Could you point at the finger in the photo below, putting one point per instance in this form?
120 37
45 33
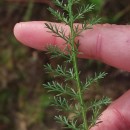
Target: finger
117 116
36 35
107 43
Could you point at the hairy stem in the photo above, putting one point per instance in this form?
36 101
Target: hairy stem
72 73
75 64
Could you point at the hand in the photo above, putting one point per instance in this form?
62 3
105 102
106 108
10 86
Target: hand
107 43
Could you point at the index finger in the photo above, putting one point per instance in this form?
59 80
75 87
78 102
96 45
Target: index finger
107 43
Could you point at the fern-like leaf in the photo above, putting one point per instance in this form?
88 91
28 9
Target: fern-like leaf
91 80
69 124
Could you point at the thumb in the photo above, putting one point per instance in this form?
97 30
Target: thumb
117 115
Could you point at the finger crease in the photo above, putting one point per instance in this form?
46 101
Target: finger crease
98 47
54 40
122 118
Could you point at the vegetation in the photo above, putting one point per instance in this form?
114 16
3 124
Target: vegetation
21 77
75 103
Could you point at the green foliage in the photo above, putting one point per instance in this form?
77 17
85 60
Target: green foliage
69 124
69 98
97 2
28 13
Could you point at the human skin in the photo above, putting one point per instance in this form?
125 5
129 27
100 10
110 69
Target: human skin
108 43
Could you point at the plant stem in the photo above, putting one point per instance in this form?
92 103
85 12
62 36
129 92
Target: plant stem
72 73
75 64
78 83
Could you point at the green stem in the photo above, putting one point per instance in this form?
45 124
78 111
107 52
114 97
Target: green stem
75 64
78 84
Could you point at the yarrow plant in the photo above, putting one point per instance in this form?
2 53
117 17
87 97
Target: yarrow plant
71 99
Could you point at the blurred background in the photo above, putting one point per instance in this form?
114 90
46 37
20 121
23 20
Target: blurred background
24 104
